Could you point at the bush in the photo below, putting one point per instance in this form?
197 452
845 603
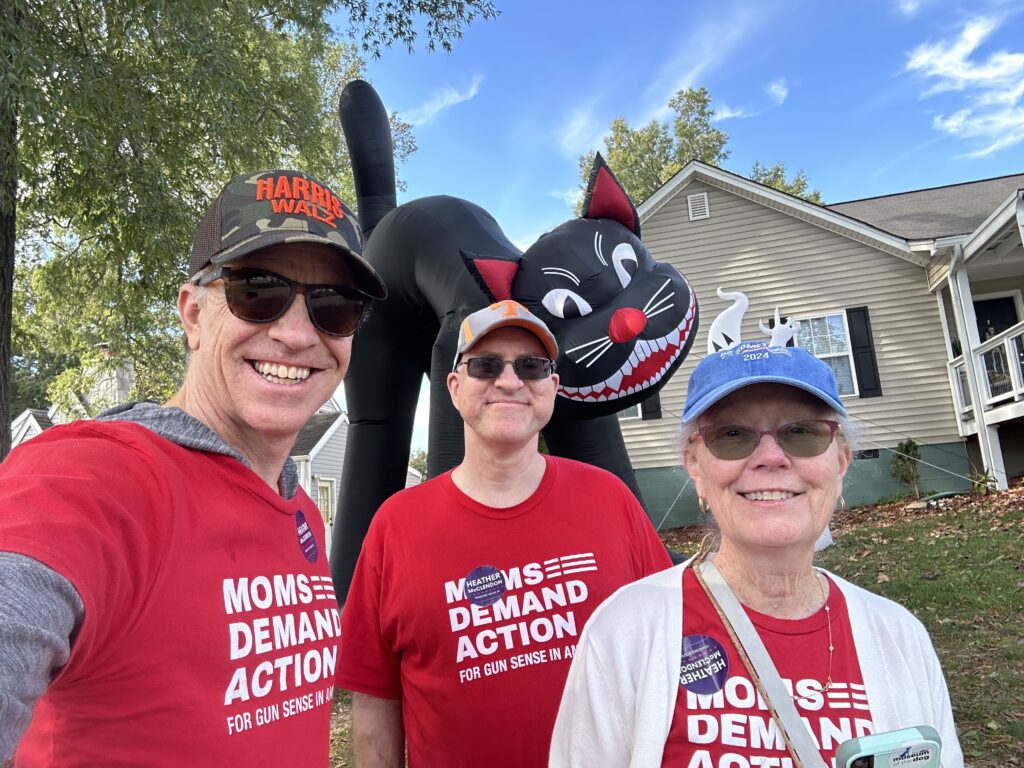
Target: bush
982 482
904 465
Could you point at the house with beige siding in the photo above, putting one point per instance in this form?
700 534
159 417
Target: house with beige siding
914 300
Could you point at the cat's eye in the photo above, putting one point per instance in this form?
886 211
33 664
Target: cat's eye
563 303
625 263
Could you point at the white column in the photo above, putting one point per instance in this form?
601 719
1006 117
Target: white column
967 326
1020 213
954 383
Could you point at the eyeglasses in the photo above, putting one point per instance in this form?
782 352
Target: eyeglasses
526 368
801 439
258 296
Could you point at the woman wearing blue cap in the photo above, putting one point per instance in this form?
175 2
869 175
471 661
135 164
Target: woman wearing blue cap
748 655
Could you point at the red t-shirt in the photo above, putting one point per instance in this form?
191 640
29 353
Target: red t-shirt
471 614
210 633
721 720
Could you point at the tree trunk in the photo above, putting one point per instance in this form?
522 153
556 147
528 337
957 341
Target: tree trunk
8 198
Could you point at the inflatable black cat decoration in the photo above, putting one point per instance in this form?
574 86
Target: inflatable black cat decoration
623 321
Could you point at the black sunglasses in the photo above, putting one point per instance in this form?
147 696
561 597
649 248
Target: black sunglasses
258 296
526 368
802 439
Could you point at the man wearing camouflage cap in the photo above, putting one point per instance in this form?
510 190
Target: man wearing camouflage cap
471 589
165 597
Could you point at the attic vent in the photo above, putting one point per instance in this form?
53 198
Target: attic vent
698 206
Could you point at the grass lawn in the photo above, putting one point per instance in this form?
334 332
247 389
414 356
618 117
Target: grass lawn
960 569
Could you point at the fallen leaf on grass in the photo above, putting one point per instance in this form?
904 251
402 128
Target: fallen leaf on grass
882 578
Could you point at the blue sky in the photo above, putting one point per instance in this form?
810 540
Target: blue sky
868 98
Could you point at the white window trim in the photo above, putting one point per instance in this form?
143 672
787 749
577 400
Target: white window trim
328 481
637 413
849 348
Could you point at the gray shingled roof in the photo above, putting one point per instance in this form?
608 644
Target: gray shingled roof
41 417
312 431
926 214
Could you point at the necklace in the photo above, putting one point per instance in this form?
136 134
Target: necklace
828 621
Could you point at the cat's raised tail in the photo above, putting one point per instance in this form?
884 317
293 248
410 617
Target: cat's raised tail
368 135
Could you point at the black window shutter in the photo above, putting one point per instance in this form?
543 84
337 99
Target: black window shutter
863 348
651 408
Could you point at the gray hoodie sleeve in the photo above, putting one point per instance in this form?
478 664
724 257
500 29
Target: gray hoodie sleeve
39 612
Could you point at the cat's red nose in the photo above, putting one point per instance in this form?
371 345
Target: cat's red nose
626 324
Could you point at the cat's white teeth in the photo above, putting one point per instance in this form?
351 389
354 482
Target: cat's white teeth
627 368
614 380
634 359
673 338
662 343
586 390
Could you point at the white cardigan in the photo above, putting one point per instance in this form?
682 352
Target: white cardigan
620 696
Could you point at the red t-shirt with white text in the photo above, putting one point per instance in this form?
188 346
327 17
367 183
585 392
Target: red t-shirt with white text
471 614
210 633
721 720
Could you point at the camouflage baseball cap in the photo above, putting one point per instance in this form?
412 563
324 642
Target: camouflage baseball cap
258 210
503 314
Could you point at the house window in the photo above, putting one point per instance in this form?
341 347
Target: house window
325 500
633 412
827 338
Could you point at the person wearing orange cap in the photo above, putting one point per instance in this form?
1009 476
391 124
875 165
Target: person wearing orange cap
471 589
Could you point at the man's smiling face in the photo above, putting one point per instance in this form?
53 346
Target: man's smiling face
253 380
505 411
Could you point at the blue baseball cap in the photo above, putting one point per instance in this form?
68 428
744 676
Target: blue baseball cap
754 362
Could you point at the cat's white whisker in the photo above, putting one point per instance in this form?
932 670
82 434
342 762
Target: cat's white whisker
596 351
586 344
659 304
601 352
650 301
663 309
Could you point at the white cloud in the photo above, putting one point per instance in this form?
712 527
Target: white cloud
993 117
724 112
708 46
448 97
567 196
778 90
908 7
581 130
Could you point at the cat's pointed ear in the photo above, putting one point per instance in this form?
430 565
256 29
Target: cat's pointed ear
494 275
607 199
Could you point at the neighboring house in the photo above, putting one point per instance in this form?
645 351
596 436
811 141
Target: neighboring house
319 455
111 387
889 291
31 422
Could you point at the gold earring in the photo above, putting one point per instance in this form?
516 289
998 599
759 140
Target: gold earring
702 505
842 503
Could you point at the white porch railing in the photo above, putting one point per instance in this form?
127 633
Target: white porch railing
958 379
1000 363
1000 360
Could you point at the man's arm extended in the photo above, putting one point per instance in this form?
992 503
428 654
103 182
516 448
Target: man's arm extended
378 736
39 610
